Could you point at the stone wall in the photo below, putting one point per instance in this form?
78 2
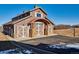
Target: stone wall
67 32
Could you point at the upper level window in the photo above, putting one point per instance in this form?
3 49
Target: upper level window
38 15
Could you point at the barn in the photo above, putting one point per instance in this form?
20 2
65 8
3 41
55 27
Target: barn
33 23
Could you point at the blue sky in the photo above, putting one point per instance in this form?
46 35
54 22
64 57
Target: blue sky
59 13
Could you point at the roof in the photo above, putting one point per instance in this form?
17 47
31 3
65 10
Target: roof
15 21
49 21
40 9
35 8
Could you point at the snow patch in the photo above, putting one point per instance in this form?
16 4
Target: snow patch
16 51
73 45
64 46
58 46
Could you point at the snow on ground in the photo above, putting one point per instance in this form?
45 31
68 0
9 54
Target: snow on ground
64 46
58 46
76 45
16 51
26 51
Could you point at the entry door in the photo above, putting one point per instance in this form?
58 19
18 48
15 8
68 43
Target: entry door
23 31
39 28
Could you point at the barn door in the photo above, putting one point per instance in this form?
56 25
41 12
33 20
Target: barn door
26 31
19 32
23 31
39 28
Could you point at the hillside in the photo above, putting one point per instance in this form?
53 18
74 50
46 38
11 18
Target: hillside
63 26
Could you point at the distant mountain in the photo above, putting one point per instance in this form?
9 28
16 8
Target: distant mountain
62 26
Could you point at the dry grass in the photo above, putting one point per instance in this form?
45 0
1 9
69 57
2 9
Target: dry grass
67 32
3 37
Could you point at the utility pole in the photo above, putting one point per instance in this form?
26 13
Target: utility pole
73 31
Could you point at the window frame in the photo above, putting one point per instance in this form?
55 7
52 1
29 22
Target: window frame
38 13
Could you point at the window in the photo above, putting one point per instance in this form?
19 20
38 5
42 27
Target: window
38 15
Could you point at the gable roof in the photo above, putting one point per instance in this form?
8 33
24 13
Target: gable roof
15 21
40 9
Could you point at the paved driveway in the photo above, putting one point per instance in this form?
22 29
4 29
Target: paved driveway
52 40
